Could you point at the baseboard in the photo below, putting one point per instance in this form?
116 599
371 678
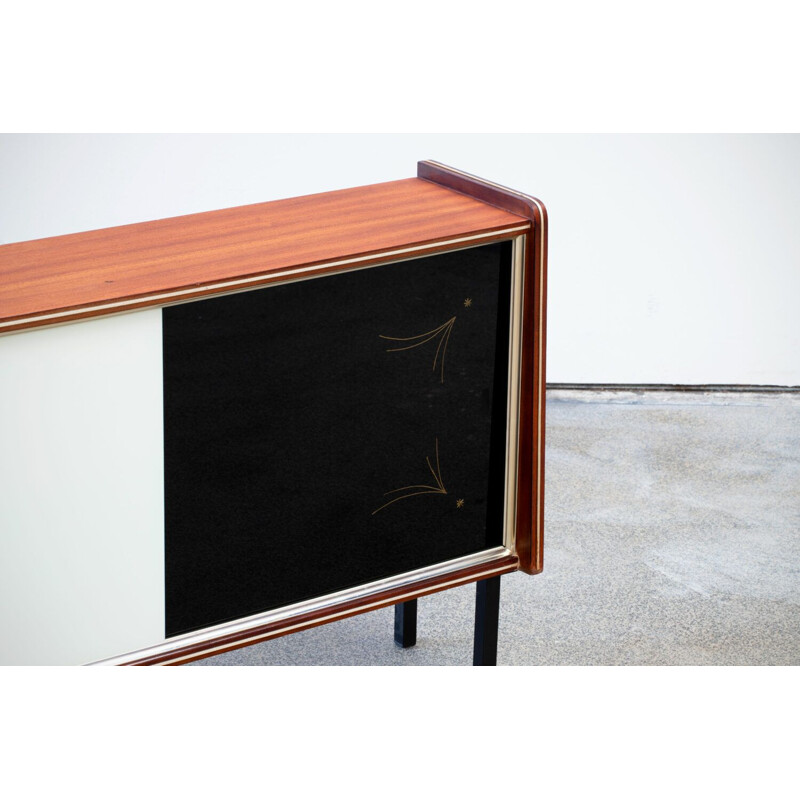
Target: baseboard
670 387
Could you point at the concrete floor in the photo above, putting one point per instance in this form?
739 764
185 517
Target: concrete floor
672 537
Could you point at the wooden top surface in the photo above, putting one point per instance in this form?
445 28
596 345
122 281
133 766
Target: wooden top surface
92 271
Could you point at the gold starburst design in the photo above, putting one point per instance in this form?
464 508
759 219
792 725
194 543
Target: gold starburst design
422 488
468 302
443 332
460 503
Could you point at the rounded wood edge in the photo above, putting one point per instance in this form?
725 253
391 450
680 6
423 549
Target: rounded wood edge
494 194
262 633
530 504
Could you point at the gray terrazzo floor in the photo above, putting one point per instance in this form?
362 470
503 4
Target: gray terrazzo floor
672 537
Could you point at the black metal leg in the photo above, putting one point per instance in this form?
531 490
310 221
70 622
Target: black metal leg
405 623
487 619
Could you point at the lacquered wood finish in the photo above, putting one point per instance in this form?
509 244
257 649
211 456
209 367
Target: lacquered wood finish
64 278
530 477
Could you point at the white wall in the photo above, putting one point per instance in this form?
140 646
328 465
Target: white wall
673 259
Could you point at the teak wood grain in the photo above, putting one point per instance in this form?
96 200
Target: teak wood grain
44 281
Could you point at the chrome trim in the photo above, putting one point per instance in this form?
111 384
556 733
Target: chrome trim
318 604
514 390
168 297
